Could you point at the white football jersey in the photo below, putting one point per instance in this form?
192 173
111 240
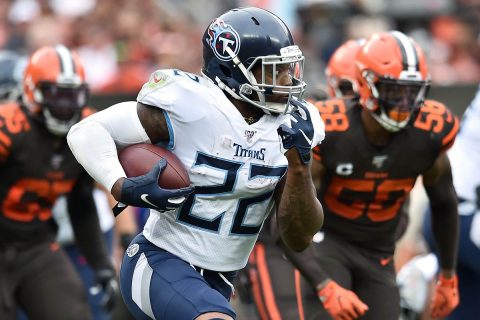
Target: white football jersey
465 153
234 166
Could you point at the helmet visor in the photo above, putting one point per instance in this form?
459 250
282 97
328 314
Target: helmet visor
282 76
398 99
63 102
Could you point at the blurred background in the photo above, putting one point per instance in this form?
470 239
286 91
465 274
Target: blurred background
123 41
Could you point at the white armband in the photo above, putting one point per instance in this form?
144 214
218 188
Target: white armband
95 140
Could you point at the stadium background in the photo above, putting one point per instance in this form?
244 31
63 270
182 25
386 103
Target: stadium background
123 41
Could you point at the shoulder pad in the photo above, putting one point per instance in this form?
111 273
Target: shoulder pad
166 86
13 121
158 80
436 118
334 113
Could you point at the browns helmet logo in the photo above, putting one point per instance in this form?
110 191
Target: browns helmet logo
223 38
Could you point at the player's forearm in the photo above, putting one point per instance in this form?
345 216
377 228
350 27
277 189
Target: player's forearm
445 227
95 150
300 214
307 263
445 220
94 141
86 226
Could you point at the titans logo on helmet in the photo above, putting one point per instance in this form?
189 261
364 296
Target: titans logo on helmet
221 37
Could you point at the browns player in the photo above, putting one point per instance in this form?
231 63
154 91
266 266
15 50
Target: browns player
36 168
341 71
373 152
269 284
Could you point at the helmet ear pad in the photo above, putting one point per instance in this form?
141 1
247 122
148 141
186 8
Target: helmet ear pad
37 96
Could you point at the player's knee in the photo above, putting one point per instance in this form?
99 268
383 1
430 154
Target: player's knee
214 316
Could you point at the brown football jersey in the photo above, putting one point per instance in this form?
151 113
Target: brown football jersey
364 186
35 168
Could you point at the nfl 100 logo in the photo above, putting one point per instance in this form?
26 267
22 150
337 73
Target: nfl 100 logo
222 38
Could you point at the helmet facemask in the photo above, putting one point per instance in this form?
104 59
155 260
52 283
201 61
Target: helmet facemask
61 105
395 102
262 88
264 75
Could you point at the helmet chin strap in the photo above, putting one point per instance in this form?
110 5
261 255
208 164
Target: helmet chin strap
386 122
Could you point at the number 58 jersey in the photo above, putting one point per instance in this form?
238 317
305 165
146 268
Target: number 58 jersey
364 187
235 168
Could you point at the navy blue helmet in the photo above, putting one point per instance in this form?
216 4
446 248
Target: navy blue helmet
244 39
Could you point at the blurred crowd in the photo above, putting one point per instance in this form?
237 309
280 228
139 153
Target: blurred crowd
123 41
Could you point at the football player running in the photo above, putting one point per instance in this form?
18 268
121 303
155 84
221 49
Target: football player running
374 150
245 136
36 168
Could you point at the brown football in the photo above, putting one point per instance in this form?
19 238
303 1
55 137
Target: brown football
138 159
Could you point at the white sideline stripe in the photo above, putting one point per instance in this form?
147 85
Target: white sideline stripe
409 49
142 276
67 61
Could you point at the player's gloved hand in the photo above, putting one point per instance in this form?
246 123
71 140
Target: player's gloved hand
299 132
106 285
144 191
445 298
341 303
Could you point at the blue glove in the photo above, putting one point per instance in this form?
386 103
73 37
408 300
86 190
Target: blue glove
300 134
144 191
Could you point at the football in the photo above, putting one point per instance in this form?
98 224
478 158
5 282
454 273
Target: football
138 159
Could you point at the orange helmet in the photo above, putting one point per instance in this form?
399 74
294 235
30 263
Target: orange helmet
341 71
54 87
393 78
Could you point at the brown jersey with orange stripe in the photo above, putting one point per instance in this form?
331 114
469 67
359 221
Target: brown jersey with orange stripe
363 186
35 168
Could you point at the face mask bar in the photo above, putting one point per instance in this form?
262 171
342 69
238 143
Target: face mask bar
61 105
398 100
292 58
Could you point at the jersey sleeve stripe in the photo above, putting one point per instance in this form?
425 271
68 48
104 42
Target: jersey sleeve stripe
448 140
267 288
171 142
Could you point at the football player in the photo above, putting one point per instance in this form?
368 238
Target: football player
36 167
373 152
464 157
270 281
341 72
245 135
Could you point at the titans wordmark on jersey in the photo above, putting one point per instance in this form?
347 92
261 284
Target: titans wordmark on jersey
234 166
